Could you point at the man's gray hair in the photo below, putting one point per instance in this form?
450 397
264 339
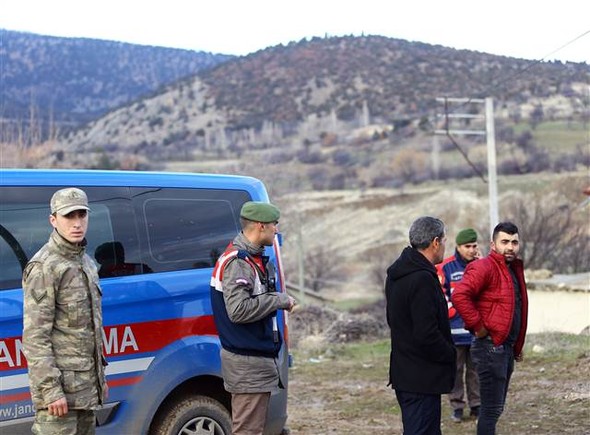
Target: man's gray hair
424 230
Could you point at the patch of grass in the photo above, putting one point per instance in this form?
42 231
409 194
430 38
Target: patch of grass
562 347
349 304
557 136
376 351
347 362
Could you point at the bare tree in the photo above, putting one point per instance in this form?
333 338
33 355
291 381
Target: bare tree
379 260
554 231
574 257
541 227
410 165
537 116
321 265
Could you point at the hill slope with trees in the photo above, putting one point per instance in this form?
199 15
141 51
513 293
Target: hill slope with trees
68 81
345 112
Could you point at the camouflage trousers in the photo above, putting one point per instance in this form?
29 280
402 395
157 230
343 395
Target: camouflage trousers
75 422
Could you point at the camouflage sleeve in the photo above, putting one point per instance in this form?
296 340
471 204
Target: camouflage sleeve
241 304
39 310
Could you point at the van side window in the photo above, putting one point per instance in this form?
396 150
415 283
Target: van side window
187 228
21 233
12 259
25 228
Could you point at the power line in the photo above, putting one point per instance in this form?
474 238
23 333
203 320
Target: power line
495 86
587 32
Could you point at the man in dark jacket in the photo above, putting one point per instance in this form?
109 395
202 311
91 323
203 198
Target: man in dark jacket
422 361
492 300
450 272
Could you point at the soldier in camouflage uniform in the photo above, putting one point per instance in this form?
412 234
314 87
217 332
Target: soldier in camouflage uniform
62 336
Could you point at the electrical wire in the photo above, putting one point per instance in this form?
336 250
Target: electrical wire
493 88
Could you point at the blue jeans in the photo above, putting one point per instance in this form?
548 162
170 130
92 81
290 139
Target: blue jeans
494 365
420 413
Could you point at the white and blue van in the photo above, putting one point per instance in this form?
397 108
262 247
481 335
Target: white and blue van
155 238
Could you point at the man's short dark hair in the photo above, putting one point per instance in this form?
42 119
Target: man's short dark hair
424 230
504 227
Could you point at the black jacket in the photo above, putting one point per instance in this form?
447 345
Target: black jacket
422 356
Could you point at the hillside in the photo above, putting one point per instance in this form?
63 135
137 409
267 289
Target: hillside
69 81
346 103
396 78
349 237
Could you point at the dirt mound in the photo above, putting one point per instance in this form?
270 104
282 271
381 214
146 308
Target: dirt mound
332 326
355 328
311 320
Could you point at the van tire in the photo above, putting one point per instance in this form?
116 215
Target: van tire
194 414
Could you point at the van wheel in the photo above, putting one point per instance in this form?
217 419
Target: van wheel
194 415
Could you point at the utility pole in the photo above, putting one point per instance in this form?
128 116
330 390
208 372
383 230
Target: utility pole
300 259
492 169
489 132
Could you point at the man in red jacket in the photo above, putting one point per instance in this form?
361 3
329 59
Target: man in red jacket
492 300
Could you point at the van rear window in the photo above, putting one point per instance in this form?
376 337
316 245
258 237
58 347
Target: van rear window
187 228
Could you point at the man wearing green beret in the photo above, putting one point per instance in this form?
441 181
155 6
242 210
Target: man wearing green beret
450 272
245 304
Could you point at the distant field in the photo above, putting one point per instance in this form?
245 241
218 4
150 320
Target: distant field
558 136
527 183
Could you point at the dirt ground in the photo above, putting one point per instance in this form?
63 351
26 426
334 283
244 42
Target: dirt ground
338 386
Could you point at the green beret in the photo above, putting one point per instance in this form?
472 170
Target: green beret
468 235
260 212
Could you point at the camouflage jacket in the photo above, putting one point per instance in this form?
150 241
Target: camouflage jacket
62 335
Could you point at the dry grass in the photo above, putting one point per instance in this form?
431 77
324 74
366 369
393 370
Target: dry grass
342 389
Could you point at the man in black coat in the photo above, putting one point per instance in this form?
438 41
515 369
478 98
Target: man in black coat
422 361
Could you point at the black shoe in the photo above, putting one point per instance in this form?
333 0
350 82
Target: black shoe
474 412
457 416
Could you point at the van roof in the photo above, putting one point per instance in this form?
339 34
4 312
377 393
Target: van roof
89 177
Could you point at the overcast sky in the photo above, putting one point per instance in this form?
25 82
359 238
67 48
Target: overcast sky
528 29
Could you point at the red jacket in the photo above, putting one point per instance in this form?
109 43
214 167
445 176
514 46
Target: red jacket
485 297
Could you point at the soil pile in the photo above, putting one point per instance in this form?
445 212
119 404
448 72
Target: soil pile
329 325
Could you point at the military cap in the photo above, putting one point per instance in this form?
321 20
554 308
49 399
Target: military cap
65 201
468 235
260 212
